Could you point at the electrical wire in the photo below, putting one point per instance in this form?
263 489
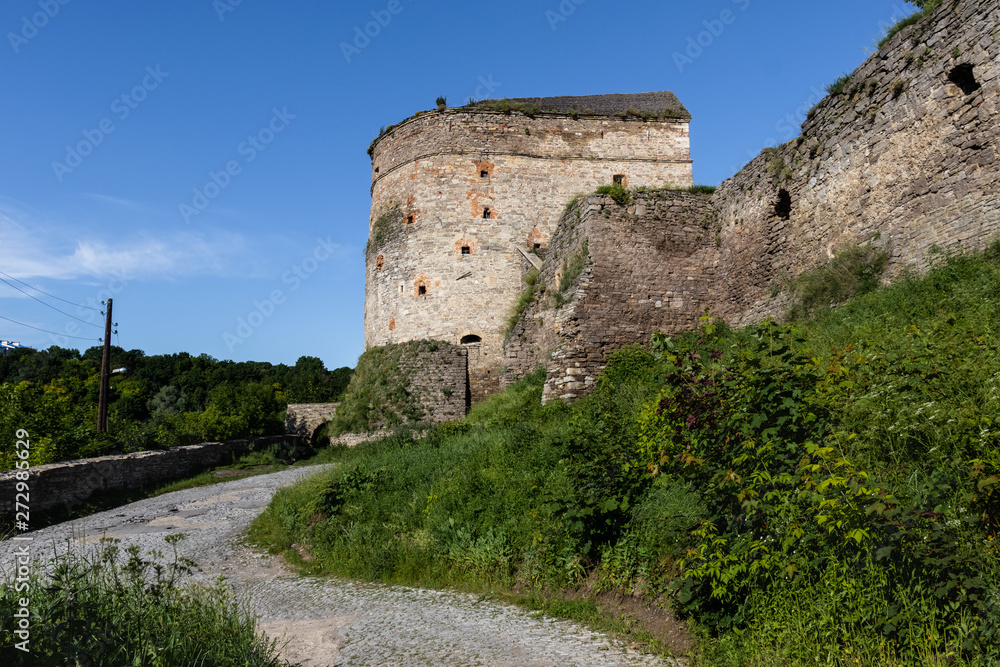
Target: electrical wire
47 294
43 330
47 305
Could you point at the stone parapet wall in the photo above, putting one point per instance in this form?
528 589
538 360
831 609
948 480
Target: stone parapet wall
652 266
62 485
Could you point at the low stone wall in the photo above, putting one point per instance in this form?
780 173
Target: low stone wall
62 485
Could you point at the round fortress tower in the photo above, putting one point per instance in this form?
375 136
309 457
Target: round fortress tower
464 199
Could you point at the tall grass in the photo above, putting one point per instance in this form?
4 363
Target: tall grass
112 608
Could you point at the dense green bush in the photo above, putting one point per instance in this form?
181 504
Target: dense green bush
111 608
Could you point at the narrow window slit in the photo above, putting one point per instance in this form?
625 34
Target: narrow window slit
487 214
783 207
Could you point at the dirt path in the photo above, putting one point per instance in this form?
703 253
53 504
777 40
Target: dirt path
333 622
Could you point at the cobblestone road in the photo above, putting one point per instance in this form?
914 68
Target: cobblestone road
333 622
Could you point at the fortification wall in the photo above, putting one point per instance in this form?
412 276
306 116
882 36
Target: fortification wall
906 155
63 485
651 266
464 190
421 381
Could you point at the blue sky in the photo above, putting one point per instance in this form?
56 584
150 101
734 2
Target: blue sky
204 161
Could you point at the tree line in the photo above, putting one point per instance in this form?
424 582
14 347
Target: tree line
158 401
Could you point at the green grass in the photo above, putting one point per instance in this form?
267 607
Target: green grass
112 608
619 193
853 271
927 6
837 87
533 285
818 492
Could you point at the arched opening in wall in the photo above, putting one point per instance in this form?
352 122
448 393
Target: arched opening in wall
964 77
376 170
471 339
618 180
379 262
487 213
484 174
410 218
422 290
466 250
783 207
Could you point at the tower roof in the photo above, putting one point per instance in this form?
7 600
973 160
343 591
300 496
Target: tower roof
661 103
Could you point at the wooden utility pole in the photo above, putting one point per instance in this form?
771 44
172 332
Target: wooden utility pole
102 401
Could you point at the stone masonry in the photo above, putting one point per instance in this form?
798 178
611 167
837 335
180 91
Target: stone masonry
905 156
305 419
651 265
460 196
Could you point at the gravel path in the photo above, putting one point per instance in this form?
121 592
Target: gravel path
333 622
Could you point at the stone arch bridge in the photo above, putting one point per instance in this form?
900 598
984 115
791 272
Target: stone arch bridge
305 419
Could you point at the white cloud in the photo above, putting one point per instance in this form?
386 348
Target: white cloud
31 249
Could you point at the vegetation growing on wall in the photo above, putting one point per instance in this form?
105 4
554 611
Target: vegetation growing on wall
379 394
385 228
571 271
619 193
926 7
853 271
533 285
825 492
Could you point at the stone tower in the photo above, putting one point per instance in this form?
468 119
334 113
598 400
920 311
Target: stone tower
464 199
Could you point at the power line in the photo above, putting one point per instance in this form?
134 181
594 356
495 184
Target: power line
51 295
43 330
45 304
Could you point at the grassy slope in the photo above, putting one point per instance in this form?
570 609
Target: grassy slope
898 386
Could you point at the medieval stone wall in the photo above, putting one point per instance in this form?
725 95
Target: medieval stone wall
651 266
905 156
456 193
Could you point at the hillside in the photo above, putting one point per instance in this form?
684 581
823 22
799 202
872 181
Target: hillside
819 491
